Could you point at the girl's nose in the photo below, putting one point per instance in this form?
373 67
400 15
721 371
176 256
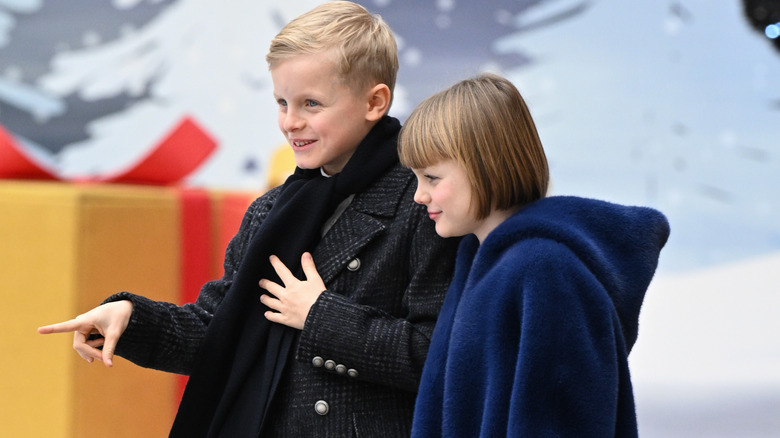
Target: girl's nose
421 196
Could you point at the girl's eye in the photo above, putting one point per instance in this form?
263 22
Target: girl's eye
430 178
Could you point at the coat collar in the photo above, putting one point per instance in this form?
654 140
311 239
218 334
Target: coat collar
365 219
384 196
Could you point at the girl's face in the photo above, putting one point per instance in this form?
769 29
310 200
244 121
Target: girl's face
445 189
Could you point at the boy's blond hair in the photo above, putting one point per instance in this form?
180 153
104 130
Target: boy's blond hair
365 51
484 125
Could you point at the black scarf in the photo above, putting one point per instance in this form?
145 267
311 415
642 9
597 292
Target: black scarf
243 354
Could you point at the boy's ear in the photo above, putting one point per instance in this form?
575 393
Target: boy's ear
378 102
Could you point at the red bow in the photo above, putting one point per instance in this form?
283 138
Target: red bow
174 157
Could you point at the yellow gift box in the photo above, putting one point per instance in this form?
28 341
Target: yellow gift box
65 248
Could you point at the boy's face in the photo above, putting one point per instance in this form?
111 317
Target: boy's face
322 119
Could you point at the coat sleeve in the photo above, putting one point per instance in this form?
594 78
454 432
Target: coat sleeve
568 367
166 336
386 341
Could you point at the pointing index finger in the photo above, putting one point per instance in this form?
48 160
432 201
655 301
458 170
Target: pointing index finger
61 327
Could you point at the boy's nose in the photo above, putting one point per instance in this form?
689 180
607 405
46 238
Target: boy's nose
292 122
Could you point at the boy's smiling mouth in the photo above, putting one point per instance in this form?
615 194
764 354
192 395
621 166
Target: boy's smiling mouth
302 143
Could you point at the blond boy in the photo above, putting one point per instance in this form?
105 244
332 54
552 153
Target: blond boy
278 346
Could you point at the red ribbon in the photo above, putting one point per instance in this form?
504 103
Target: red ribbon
16 164
174 157
207 225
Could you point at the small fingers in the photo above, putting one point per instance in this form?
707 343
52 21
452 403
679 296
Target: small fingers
270 302
273 288
309 268
268 284
281 269
107 354
279 318
62 327
83 348
95 343
274 317
89 354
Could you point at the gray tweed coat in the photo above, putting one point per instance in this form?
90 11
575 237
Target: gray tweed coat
360 355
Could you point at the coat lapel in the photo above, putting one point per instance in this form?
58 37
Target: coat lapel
365 219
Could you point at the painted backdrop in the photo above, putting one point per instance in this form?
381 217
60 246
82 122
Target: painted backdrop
673 104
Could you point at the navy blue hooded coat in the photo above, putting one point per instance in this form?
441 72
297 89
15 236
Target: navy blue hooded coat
534 334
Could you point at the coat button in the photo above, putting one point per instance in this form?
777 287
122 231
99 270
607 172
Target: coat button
354 265
321 407
330 365
317 361
341 369
352 373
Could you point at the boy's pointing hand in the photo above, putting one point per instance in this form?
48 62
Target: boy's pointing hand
108 320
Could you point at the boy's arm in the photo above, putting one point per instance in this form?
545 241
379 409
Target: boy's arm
166 336
368 342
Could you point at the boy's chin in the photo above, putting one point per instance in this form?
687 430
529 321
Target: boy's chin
307 165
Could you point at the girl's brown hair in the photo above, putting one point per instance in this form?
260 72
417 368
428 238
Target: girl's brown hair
484 125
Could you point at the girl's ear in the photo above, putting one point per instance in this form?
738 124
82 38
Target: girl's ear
378 102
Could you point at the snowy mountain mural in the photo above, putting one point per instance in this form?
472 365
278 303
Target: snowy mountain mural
673 104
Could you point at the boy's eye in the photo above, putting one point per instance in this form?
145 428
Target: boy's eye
310 102
430 178
281 102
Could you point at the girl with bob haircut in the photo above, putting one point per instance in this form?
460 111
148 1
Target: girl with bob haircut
483 125
536 327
